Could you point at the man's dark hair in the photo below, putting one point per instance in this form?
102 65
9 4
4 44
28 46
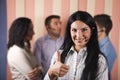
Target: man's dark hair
104 21
49 18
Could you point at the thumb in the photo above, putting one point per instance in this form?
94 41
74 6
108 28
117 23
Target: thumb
58 55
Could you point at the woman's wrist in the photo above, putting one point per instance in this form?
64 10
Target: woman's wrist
51 75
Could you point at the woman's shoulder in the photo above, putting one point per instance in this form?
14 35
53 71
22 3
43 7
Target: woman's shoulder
15 52
102 62
102 59
15 49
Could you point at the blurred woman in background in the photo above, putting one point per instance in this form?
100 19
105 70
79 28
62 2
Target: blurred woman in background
23 65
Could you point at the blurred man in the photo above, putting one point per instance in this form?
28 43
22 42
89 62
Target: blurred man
45 46
104 25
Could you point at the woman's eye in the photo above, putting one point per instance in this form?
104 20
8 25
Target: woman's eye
74 30
84 29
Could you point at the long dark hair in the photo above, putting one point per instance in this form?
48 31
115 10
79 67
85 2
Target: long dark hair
91 62
18 31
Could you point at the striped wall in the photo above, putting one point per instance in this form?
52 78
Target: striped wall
38 10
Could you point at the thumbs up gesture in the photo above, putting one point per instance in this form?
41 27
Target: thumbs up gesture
58 69
58 56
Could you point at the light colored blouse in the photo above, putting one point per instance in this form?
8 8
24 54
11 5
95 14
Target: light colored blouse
20 62
76 63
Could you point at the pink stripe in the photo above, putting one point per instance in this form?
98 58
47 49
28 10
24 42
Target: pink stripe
115 34
115 18
82 5
9 75
29 12
99 6
11 12
29 9
48 7
65 10
11 15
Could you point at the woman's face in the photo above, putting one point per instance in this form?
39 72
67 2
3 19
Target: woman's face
30 33
80 34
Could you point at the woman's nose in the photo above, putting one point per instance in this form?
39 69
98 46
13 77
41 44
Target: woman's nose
79 34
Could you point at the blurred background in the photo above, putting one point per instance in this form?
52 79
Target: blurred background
38 10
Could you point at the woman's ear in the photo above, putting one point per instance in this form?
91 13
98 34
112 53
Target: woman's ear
92 30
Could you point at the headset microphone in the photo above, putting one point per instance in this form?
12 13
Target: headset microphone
86 40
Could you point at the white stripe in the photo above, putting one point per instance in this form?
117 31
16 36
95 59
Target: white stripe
20 8
108 10
56 7
73 6
91 7
108 7
39 18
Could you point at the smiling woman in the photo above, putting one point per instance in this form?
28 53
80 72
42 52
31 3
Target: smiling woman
77 59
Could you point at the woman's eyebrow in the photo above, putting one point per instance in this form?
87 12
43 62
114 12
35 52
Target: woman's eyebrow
84 27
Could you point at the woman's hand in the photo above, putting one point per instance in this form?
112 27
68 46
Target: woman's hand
58 69
35 73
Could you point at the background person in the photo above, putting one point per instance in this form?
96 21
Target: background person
45 46
23 65
104 26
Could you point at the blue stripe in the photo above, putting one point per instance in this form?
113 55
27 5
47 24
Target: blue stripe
3 39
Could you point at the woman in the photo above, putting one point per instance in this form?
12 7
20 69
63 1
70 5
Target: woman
23 65
80 58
